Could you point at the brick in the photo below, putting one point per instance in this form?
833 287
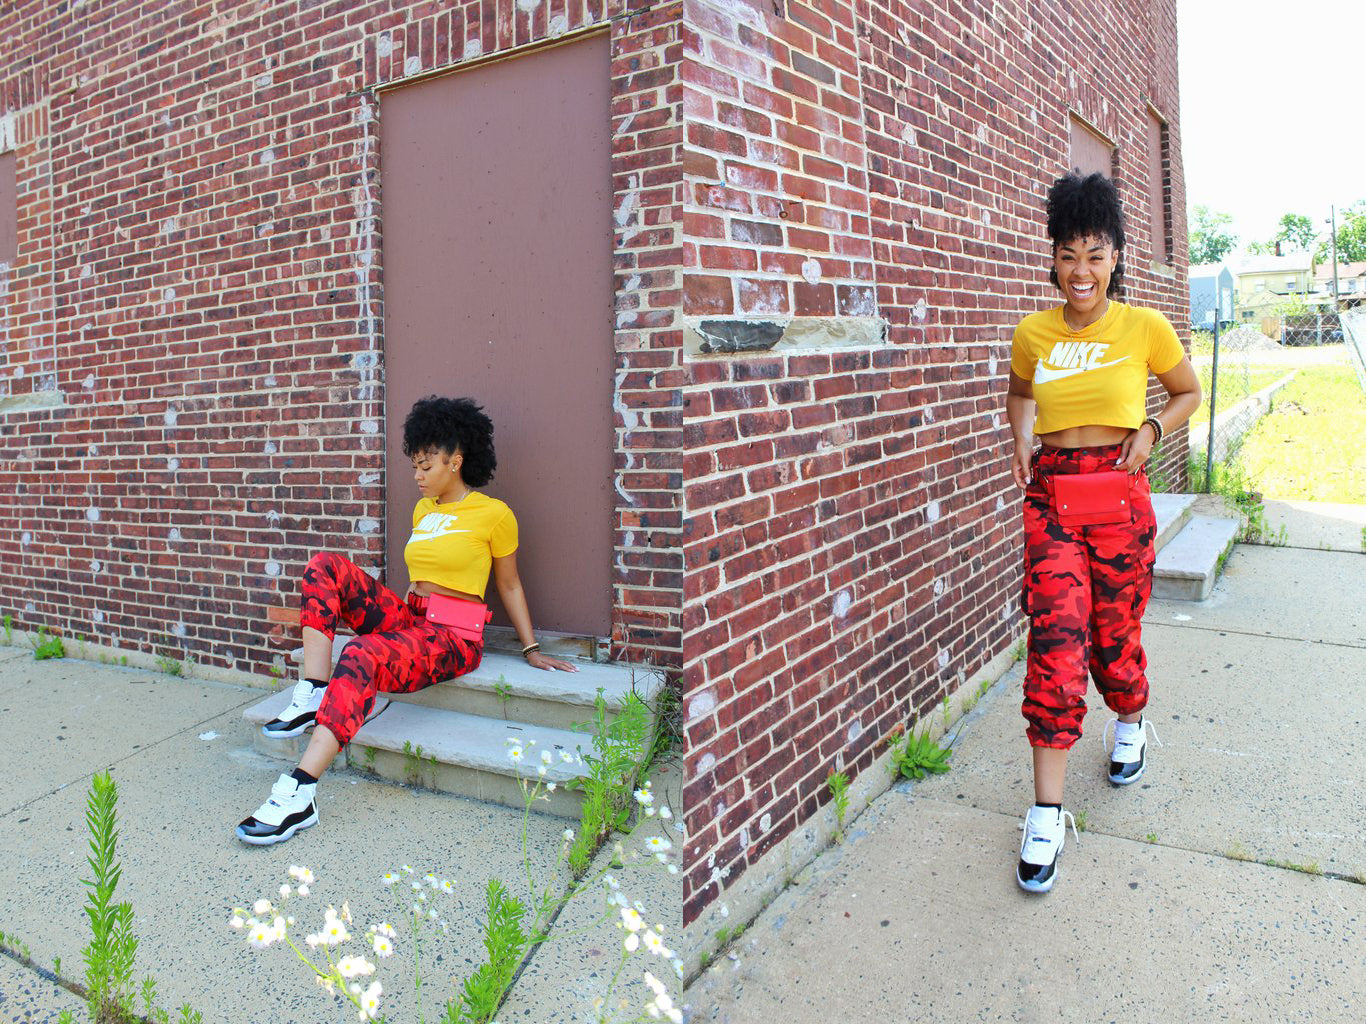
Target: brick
856 441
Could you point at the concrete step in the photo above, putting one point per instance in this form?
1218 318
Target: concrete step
1173 511
532 695
537 697
447 751
1187 566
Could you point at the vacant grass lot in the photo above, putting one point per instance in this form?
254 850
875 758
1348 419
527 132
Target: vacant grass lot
1236 382
1310 446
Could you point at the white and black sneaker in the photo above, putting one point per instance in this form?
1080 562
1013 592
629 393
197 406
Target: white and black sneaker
1044 832
291 806
1128 757
301 714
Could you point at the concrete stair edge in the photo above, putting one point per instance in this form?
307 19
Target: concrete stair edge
1186 568
1172 511
452 737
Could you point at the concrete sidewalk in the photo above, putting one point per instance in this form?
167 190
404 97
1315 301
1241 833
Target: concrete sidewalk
1229 884
183 761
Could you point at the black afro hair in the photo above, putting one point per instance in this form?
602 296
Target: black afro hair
450 425
1087 207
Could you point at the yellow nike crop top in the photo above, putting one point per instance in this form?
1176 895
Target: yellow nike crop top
1098 375
453 545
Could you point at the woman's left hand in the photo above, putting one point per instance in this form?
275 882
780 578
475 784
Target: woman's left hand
538 660
1137 446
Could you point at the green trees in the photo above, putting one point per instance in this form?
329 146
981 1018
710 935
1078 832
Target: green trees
1209 235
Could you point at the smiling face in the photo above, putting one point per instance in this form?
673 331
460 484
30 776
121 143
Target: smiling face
438 474
1084 266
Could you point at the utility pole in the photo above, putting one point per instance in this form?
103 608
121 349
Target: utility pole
1333 219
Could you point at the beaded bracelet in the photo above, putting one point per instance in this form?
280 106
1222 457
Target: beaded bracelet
530 649
1156 424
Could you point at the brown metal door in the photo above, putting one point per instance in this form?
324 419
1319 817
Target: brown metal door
496 200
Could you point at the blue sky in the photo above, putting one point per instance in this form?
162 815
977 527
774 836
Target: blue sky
1273 108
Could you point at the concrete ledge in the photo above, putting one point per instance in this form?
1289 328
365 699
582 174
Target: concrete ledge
1186 567
31 401
1173 511
709 336
1232 425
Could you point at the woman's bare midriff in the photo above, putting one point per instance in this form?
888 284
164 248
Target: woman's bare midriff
1089 436
424 587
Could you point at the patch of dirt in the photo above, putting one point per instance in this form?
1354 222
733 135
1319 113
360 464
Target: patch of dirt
1247 339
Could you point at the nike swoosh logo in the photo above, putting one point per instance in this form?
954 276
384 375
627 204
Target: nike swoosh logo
1045 374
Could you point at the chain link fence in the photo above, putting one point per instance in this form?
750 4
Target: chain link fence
1354 333
1239 366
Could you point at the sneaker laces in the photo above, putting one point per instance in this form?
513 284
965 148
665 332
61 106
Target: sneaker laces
301 698
1112 729
1064 819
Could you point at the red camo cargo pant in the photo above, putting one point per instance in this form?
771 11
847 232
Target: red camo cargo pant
1085 589
395 650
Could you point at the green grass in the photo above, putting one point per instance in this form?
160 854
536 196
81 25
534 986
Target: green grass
1236 382
1309 446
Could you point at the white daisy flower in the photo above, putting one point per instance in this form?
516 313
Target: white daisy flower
631 919
303 890
632 942
383 946
516 755
389 878
261 907
285 891
354 967
665 813
261 935
236 922
369 1001
546 757
658 843
386 929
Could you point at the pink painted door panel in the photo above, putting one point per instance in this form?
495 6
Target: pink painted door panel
495 195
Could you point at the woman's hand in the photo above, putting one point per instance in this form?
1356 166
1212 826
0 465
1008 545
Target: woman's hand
1137 446
1019 465
538 660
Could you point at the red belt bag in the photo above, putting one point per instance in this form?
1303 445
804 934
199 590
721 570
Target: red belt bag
1091 499
467 618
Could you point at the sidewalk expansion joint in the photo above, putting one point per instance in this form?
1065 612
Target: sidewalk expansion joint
1312 869
1259 636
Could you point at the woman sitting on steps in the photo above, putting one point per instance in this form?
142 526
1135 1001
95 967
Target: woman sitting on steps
402 646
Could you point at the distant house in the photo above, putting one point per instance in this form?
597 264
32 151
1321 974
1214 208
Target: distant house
1211 287
1264 282
1281 275
1351 282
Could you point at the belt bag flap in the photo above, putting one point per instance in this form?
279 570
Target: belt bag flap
467 618
1091 499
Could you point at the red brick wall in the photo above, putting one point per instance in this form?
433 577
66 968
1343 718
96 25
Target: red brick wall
200 295
851 532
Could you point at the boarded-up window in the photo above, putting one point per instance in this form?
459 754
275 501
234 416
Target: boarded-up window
1159 188
9 210
1091 152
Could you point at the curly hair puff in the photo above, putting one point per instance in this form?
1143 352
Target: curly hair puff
450 425
1086 208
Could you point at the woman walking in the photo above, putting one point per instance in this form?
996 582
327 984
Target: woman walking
1078 380
402 645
